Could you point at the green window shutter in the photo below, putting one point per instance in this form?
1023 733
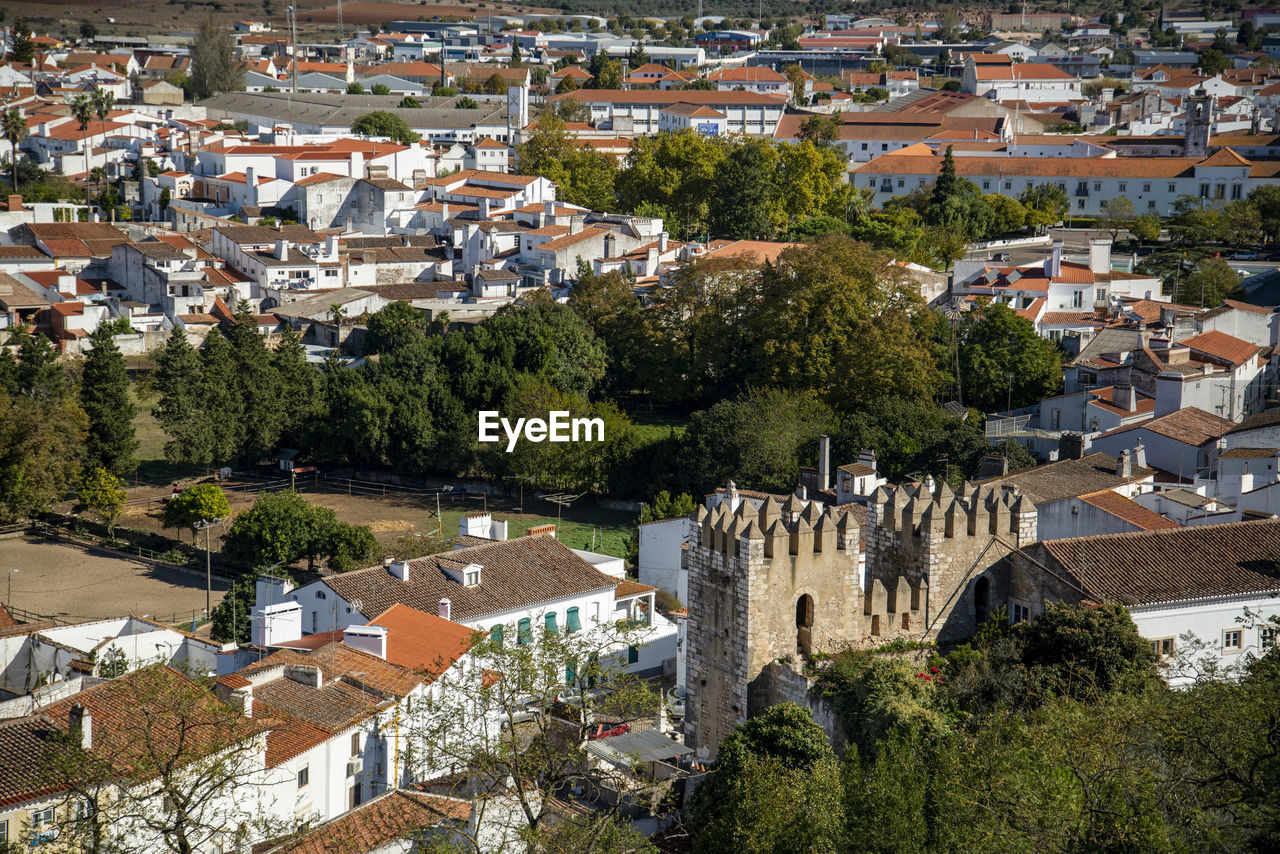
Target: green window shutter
572 622
551 623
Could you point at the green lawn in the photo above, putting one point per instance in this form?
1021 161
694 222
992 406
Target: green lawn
578 527
653 426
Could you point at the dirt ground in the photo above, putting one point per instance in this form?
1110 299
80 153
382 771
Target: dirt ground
75 584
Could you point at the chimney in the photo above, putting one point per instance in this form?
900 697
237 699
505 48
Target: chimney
400 569
824 462
370 639
549 208
446 609
282 249
1100 255
1124 464
251 185
609 244
1070 446
662 241
330 245
1140 456
1122 396
80 719
67 284
15 203
1053 264
575 223
868 459
444 212
357 165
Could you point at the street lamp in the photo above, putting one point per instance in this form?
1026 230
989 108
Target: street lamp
206 524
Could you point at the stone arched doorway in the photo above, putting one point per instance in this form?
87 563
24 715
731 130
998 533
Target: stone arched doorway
981 600
804 625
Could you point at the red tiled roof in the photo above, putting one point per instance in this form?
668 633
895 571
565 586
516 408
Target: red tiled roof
1191 426
423 641
388 818
1128 510
1172 565
1220 345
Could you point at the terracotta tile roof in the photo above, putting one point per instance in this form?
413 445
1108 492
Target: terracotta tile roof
628 588
1245 306
23 742
759 251
423 641
516 573
335 706
1128 510
1266 418
133 716
336 659
391 817
1173 565
1069 478
1220 345
1250 454
1105 397
1190 426
568 240
293 738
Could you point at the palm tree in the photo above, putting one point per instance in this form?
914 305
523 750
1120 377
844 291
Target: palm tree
103 103
15 130
337 312
82 111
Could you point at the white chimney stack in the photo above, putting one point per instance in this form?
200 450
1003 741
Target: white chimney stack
824 462
282 249
1100 255
446 609
400 569
370 639
1053 264
80 719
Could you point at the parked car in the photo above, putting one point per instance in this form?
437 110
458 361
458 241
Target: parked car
1002 257
1245 256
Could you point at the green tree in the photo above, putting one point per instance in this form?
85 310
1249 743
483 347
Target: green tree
671 175
1145 228
1213 62
1116 215
106 400
584 177
610 308
775 788
232 617
41 441
1008 214
222 405
1085 652
355 88
947 185
465 103
38 374
202 502
298 385
82 112
837 317
379 89
745 194
396 325
820 128
258 389
1046 204
1266 199
101 493
180 411
349 547
1212 281
14 128
758 439
280 528
1003 360
214 67
22 49
382 123
408 102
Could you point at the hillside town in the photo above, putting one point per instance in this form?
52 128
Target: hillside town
890 429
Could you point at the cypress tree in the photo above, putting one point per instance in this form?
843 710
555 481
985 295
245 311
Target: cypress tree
258 386
104 395
219 396
299 386
179 411
947 184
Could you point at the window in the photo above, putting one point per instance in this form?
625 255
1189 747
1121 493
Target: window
986 185
495 635
1019 613
320 594
1173 188
1162 647
1146 188
4 831
1151 205
1008 185
304 776
569 676
595 612
1100 295
355 796
1231 640
1266 639
633 654
315 617
1235 191
1204 191
355 744
571 621
42 829
1097 185
902 182
1122 186
524 632
551 623
1077 299
1055 419
1080 204
864 146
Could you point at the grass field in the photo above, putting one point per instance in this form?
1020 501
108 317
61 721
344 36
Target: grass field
652 426
579 526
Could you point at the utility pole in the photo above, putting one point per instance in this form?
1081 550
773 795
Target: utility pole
293 46
342 33
206 524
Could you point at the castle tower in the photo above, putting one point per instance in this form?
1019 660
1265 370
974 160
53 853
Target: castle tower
767 581
1199 122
